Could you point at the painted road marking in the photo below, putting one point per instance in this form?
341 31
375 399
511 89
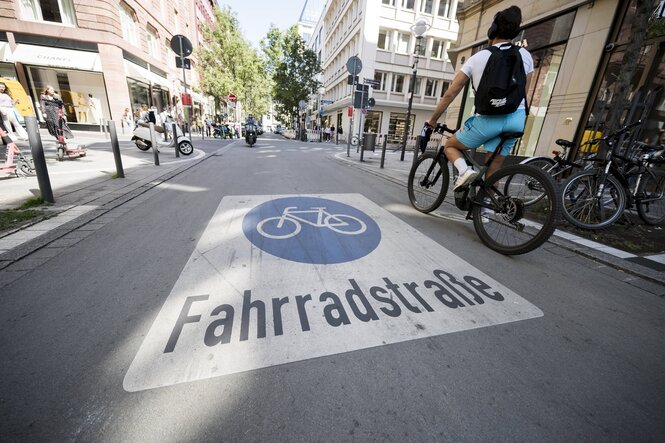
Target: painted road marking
244 302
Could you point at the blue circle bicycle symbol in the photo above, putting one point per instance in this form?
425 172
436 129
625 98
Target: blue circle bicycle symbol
311 230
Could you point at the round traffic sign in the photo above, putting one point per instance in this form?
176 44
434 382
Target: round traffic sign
354 65
232 97
181 45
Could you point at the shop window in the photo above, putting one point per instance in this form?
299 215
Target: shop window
396 126
84 92
403 42
57 11
427 6
398 83
128 24
385 35
408 4
388 2
373 122
444 9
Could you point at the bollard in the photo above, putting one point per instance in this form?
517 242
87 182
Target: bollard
115 146
416 149
174 127
362 152
383 150
38 158
153 141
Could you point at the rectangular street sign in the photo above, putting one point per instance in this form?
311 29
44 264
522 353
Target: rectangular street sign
327 102
371 82
179 62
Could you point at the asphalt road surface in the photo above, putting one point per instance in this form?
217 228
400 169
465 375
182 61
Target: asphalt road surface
199 311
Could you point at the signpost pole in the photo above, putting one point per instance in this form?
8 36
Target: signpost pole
184 80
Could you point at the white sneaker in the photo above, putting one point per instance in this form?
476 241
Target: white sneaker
465 178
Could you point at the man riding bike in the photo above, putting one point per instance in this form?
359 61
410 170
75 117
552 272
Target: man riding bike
484 129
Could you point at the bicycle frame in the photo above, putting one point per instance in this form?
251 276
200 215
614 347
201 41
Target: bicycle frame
320 211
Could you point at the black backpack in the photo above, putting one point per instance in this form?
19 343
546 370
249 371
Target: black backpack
502 86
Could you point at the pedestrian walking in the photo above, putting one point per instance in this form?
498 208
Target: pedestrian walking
9 113
327 132
126 121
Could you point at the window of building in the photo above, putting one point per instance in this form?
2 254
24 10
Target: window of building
408 4
430 87
444 88
388 2
416 87
153 42
438 48
57 11
385 36
403 42
381 78
421 47
128 24
398 83
444 9
427 6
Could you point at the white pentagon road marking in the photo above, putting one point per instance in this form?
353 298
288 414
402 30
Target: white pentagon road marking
278 279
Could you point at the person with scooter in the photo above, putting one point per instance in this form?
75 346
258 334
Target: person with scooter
56 123
24 165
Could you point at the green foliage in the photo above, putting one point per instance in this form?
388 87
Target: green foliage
294 68
229 64
31 203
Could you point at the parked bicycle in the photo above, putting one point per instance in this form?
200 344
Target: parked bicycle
499 205
559 167
596 198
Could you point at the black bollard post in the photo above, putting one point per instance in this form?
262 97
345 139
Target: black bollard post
153 141
416 149
38 158
174 127
383 150
115 146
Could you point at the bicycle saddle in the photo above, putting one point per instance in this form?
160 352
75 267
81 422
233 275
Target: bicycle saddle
564 143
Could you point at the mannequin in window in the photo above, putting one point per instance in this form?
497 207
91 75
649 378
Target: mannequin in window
81 108
93 109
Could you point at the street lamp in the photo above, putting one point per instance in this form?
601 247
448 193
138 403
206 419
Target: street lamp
322 91
419 28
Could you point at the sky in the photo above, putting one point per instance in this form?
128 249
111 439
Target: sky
255 16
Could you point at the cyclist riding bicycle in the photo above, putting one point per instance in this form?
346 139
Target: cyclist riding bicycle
485 127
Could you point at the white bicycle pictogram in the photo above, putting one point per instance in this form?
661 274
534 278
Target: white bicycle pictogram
290 224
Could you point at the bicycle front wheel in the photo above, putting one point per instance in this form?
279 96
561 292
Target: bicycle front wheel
585 206
651 197
510 225
428 182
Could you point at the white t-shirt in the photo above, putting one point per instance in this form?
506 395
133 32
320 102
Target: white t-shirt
475 65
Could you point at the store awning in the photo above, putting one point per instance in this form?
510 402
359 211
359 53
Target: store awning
56 57
141 74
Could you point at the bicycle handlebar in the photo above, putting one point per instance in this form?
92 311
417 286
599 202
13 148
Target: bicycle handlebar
617 133
441 128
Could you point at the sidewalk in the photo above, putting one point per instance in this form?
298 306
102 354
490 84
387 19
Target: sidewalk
85 192
648 264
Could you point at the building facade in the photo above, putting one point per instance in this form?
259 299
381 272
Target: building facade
102 56
578 48
379 33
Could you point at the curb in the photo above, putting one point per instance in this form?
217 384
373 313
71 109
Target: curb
620 264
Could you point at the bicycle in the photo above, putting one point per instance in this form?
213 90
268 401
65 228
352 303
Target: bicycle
340 223
559 167
505 215
595 199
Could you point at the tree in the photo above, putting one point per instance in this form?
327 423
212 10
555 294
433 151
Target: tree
294 68
229 64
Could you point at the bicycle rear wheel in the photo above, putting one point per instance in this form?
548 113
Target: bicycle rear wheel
585 208
428 182
651 197
511 226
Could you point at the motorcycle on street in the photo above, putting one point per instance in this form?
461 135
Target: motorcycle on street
250 134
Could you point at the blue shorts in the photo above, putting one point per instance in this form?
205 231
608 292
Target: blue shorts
485 129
